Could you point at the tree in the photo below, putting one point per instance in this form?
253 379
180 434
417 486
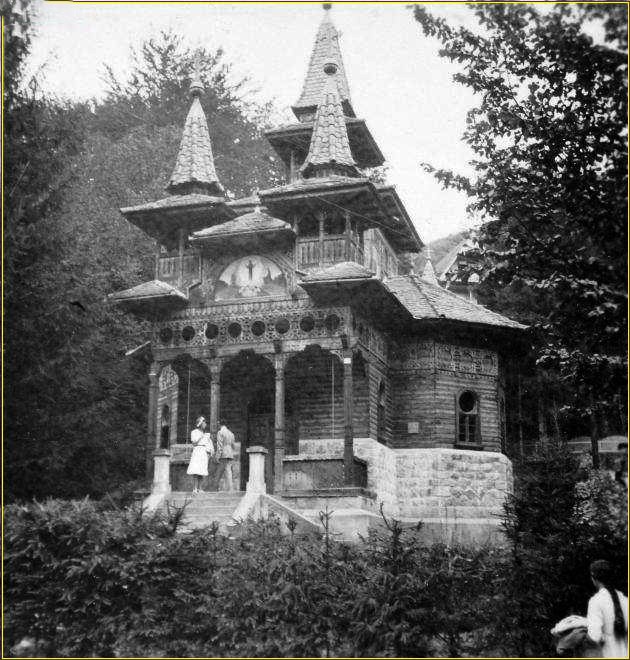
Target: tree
76 410
549 140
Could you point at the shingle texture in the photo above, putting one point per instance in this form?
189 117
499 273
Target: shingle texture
326 49
323 183
428 274
175 201
429 301
257 221
195 162
153 289
329 141
342 271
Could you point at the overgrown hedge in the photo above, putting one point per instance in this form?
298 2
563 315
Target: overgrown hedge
93 581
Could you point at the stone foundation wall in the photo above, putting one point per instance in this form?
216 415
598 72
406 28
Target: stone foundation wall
438 484
381 472
450 484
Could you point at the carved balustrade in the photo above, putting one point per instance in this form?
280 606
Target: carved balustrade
333 250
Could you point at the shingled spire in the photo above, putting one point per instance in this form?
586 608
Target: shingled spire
326 49
329 151
194 168
428 274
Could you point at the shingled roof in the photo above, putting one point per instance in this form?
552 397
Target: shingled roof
194 168
304 186
175 202
254 222
345 270
426 301
154 289
326 49
330 147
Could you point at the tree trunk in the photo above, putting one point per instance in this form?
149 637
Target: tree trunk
594 430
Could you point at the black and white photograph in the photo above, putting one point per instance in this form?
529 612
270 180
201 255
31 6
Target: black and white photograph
315 329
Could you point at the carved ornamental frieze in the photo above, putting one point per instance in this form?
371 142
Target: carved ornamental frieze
168 378
466 360
416 355
430 355
251 323
370 338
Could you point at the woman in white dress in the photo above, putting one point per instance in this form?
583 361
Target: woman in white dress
607 614
202 448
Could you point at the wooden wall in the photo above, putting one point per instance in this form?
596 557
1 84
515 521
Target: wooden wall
427 377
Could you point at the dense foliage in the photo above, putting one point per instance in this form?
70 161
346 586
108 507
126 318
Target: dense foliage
550 142
85 578
76 408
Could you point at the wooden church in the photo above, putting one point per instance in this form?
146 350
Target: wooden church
348 381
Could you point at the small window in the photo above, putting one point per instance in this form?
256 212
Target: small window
468 429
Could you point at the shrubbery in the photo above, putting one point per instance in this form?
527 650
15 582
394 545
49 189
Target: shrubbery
93 581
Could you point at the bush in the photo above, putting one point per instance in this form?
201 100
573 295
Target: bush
87 579
557 524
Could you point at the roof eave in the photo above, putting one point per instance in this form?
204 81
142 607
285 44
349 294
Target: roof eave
241 234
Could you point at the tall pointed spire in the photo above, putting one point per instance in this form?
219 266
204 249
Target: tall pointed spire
326 49
329 151
194 168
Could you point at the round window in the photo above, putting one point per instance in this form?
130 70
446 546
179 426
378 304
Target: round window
282 325
212 331
332 322
467 401
188 333
166 334
307 324
258 328
234 330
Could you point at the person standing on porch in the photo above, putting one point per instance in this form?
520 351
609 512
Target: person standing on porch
202 449
223 457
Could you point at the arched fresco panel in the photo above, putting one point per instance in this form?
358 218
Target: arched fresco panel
250 277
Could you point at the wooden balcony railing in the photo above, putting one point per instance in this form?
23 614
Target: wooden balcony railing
333 250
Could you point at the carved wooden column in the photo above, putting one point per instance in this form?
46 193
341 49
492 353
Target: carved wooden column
153 439
348 410
215 394
180 271
292 167
321 218
157 260
346 216
296 251
279 364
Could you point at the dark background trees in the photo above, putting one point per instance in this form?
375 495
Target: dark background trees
75 407
550 159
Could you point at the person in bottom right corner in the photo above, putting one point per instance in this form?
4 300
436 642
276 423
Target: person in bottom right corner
607 614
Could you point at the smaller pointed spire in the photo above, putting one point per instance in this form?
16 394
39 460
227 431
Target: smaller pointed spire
428 274
329 151
194 168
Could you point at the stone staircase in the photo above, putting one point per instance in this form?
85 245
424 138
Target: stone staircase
202 509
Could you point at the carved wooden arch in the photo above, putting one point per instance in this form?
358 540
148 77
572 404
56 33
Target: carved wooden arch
184 359
245 353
